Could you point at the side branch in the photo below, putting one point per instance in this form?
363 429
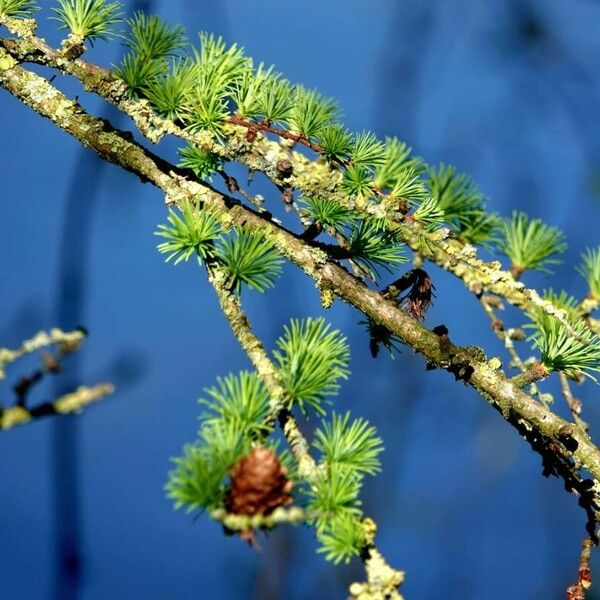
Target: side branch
253 347
71 403
68 340
382 580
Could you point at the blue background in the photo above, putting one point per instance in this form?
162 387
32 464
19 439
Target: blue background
506 91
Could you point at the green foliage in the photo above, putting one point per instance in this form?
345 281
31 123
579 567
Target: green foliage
201 91
197 89
250 258
90 19
311 358
396 160
564 301
342 538
275 102
349 450
248 90
328 213
479 230
463 205
150 38
203 164
395 156
457 195
590 269
219 66
241 400
367 150
205 107
167 93
336 142
333 500
17 8
408 185
373 247
351 445
198 480
574 352
144 69
429 213
139 74
192 233
195 481
357 181
311 113
334 494
217 69
530 244
247 257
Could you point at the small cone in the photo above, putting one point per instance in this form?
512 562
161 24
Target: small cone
259 484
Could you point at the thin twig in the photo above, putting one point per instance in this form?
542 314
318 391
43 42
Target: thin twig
584 574
234 187
71 403
573 403
282 133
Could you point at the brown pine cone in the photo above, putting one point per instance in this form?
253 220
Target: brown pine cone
259 484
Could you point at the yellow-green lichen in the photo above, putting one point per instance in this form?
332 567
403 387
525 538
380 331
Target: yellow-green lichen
6 61
293 515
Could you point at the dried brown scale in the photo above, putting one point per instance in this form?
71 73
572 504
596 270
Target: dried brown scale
312 231
24 385
285 168
415 303
379 336
287 195
477 289
444 340
419 299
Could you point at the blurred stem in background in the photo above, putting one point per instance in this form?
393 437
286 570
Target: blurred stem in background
71 297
